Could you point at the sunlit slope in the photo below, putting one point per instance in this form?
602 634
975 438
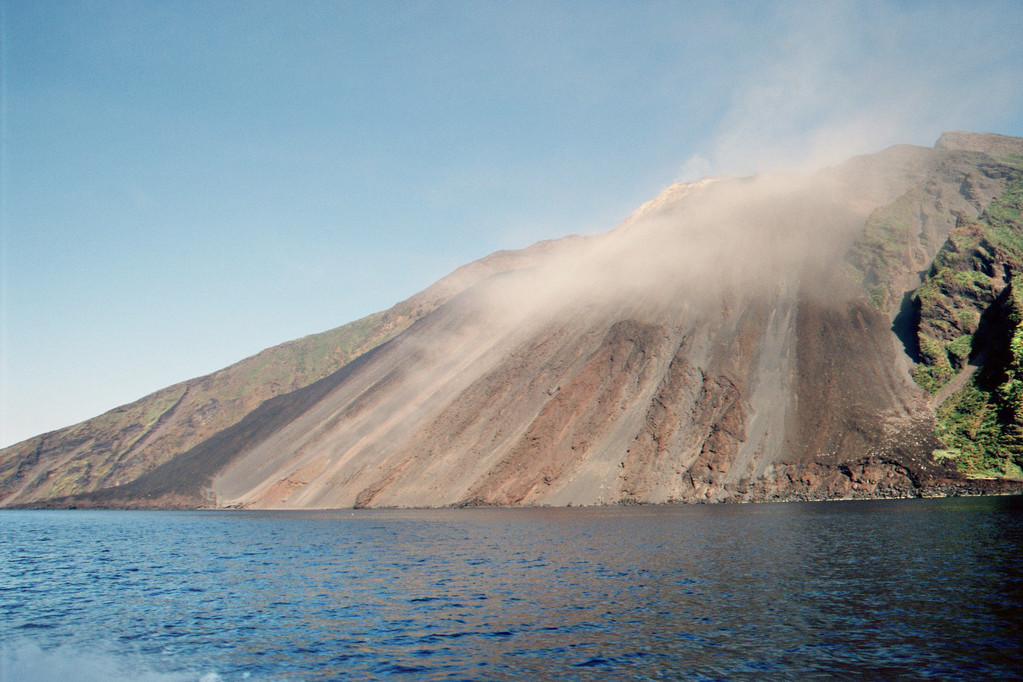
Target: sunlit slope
117 447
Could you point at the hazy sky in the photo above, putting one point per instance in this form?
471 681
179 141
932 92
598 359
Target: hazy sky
187 183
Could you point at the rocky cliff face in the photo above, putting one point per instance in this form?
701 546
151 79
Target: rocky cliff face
732 340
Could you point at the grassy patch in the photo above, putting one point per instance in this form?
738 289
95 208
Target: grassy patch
975 435
882 249
959 350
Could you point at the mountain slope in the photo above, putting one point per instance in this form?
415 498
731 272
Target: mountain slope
117 447
737 339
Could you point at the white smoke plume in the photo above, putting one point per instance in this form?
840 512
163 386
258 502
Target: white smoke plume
846 78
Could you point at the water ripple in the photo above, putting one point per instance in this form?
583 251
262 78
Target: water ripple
928 588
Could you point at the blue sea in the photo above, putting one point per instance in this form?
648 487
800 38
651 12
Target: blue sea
872 590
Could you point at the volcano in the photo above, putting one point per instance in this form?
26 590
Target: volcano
842 334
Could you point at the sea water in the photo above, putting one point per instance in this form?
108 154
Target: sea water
879 590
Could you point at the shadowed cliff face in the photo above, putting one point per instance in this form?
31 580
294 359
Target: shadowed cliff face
721 344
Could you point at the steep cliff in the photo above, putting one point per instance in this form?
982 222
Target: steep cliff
967 314
737 339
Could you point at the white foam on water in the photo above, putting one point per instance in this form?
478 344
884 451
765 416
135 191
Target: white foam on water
25 661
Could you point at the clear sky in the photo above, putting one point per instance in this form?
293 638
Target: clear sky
187 183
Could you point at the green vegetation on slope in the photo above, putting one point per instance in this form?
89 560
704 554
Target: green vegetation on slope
982 424
901 239
1002 217
963 282
967 310
968 274
882 251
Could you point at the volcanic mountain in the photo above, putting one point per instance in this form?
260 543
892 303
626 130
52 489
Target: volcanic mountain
848 333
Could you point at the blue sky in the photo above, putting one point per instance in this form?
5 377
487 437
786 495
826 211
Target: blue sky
187 183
